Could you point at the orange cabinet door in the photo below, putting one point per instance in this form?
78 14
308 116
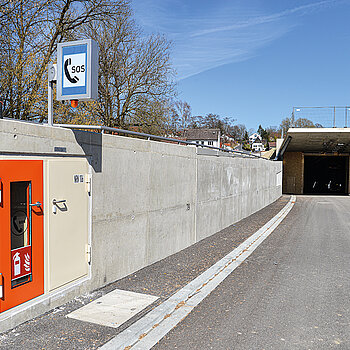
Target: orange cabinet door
21 231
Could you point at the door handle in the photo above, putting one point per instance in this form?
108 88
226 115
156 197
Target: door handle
37 204
55 205
54 201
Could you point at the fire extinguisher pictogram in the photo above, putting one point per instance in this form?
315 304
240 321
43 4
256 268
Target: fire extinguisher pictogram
16 265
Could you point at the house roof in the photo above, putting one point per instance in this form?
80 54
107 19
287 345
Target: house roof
201 134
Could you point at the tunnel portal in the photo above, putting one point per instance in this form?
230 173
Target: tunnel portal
325 174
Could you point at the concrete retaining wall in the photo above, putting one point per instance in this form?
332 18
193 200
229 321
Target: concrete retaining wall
150 199
230 189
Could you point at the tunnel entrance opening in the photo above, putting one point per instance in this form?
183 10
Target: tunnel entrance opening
326 174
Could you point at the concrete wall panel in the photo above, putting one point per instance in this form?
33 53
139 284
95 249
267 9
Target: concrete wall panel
208 218
119 245
170 230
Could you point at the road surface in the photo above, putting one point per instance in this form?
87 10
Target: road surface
293 292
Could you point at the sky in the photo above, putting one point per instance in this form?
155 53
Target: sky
253 60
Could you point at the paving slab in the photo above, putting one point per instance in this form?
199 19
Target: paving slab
114 308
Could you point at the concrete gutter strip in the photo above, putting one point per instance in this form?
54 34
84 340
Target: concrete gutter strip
147 331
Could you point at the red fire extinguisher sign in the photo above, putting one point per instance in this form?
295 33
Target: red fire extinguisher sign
21 262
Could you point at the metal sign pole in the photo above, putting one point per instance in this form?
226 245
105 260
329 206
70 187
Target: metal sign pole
52 76
50 103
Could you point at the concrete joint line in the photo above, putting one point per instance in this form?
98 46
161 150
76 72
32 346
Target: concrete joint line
151 328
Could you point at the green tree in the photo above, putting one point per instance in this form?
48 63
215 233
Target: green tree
265 136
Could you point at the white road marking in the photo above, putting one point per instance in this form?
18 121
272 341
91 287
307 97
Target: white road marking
151 328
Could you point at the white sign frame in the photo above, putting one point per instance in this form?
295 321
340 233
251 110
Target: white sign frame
77 70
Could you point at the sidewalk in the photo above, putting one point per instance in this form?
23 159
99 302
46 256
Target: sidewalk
162 279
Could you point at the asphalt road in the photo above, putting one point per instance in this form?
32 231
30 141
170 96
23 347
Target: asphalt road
293 292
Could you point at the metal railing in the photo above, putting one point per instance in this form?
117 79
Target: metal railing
325 117
156 138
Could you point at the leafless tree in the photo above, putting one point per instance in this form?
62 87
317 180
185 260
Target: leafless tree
296 123
135 76
30 31
180 117
239 131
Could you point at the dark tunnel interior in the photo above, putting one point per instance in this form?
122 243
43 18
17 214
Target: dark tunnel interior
325 174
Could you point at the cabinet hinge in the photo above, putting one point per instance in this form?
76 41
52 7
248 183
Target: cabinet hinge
88 253
88 183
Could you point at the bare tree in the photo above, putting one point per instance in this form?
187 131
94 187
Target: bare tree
239 131
304 123
180 117
214 121
296 123
30 31
135 77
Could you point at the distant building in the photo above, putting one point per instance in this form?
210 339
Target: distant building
258 146
209 137
255 138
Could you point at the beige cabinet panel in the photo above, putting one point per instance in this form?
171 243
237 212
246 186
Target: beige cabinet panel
68 210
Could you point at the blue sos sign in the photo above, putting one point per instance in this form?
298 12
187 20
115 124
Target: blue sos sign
77 70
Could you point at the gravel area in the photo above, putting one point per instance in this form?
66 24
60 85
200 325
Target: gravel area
163 278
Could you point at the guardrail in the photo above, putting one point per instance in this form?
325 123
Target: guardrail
156 138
